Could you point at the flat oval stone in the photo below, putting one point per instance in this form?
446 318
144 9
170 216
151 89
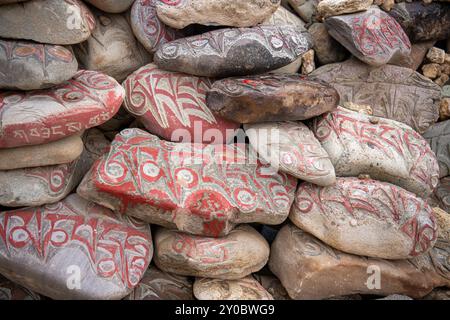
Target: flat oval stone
112 6
234 52
35 117
49 21
430 21
234 256
438 136
366 217
372 36
392 92
233 13
292 148
147 27
270 98
172 105
196 188
74 249
329 8
28 66
386 150
247 288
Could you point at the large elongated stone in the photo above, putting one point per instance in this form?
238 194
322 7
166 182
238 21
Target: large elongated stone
329 8
112 6
35 117
366 217
172 105
200 189
234 52
234 256
438 136
233 13
47 21
386 150
41 247
372 36
310 269
247 288
392 92
27 66
270 98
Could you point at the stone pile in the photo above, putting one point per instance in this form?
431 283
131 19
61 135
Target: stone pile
224 150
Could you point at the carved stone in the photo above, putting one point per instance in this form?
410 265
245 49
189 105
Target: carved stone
438 136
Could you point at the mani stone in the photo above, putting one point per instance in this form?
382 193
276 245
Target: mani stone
172 105
306 9
270 98
74 249
393 92
387 150
160 285
234 52
247 288
292 148
112 6
10 291
41 116
329 8
26 65
310 269
232 13
423 22
326 49
47 21
49 184
57 152
232 257
442 193
112 47
366 217
196 188
147 27
438 136
372 36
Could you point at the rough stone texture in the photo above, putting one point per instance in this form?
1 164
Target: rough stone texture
310 269
58 152
234 256
423 22
242 289
292 148
329 8
42 116
197 188
26 65
47 21
327 50
160 285
273 286
354 216
418 53
112 6
147 27
436 55
442 193
444 109
233 13
443 223
438 136
112 47
172 106
383 40
308 63
393 92
438 294
50 184
234 52
306 9
10 291
270 98
386 150
41 247
396 297
431 70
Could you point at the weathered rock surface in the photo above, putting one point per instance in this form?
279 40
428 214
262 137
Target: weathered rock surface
232 257
26 65
292 148
47 21
232 13
234 52
442 193
386 150
314 270
438 136
438 294
273 285
372 36
393 92
112 6
41 116
247 288
270 98
10 291
42 247
326 49
200 189
443 223
306 9
366 217
329 8
418 53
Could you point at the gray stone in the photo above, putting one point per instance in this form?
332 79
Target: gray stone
438 136
112 6
327 50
